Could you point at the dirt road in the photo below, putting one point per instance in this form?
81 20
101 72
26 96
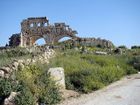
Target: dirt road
123 92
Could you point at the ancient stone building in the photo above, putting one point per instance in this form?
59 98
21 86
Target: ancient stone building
33 29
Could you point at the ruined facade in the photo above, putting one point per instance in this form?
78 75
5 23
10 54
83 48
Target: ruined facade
33 29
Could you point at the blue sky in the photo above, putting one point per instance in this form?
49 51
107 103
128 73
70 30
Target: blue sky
115 20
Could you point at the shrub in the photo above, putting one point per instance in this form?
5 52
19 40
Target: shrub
25 97
39 85
135 62
110 74
122 47
33 85
86 72
5 87
9 55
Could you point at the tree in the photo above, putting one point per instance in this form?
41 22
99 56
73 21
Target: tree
135 47
122 47
14 40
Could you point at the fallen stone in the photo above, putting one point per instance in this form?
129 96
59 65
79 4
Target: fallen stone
58 76
10 99
6 69
1 73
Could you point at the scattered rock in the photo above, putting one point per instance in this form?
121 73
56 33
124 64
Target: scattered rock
16 64
100 53
6 69
10 99
1 73
43 58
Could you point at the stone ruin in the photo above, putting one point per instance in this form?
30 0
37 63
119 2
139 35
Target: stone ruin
94 42
33 29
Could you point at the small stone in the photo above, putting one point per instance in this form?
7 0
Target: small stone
15 64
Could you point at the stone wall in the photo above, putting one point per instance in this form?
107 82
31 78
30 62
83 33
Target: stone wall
94 42
7 70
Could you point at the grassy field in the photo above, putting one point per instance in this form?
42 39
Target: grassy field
7 56
84 72
87 72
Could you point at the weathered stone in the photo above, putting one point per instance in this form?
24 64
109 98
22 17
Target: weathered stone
16 64
28 61
69 93
20 61
92 42
1 73
10 99
57 75
6 69
100 53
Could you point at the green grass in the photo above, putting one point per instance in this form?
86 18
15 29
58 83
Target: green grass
88 72
41 87
83 72
33 84
9 55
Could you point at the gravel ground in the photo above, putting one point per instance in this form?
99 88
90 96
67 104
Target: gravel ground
123 92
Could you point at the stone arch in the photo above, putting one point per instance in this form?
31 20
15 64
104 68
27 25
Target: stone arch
62 36
64 39
40 41
51 33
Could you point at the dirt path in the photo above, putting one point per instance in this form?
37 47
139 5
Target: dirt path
123 92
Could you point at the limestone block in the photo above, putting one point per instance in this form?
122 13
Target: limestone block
28 61
15 64
1 73
20 61
10 99
6 69
58 76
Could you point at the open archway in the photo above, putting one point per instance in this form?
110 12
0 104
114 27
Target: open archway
40 41
64 39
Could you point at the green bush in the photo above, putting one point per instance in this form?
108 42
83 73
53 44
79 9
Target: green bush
5 87
24 97
39 85
110 74
33 85
87 72
135 62
9 55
